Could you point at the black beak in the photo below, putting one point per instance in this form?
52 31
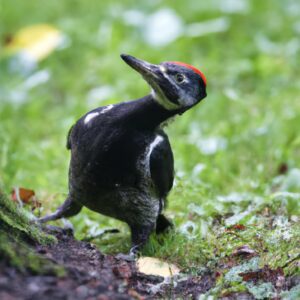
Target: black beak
149 71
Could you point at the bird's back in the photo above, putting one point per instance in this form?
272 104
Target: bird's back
106 149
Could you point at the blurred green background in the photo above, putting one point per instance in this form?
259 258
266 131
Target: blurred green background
235 152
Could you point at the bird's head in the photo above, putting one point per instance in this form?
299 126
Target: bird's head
175 85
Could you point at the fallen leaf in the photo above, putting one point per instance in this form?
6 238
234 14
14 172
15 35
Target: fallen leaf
276 277
22 195
239 227
25 196
243 250
156 267
36 41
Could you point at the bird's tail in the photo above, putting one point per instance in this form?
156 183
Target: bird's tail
162 224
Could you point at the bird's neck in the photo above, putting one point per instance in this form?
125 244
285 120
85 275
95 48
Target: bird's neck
147 113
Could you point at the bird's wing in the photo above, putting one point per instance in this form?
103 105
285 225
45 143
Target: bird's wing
162 166
84 126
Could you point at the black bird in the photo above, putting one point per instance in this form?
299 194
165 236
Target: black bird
122 163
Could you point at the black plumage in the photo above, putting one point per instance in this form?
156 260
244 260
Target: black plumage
122 163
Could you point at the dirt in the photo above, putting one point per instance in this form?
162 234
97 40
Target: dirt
91 275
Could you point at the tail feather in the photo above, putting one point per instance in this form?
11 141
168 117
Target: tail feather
162 224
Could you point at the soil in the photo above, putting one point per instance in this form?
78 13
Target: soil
91 275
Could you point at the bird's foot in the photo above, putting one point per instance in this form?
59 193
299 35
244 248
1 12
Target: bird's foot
131 256
68 226
134 250
58 230
127 257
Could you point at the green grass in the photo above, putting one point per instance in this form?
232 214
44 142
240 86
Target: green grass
252 110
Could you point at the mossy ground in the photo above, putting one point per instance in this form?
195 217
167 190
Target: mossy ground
18 238
237 154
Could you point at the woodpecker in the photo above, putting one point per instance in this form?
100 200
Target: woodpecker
122 164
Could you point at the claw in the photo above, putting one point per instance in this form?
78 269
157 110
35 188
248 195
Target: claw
127 257
59 230
134 250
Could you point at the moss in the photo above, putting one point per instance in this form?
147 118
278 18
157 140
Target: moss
18 222
233 274
18 234
234 288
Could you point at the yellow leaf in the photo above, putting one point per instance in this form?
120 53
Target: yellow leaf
36 41
154 266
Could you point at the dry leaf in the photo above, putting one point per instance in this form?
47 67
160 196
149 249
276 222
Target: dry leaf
154 266
238 227
36 41
25 196
266 274
22 195
244 250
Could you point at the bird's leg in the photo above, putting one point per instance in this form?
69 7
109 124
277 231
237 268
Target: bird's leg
68 209
162 224
139 236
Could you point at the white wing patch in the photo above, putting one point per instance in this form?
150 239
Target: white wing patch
158 139
92 115
106 109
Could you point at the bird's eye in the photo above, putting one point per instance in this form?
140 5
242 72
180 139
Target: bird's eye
179 78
